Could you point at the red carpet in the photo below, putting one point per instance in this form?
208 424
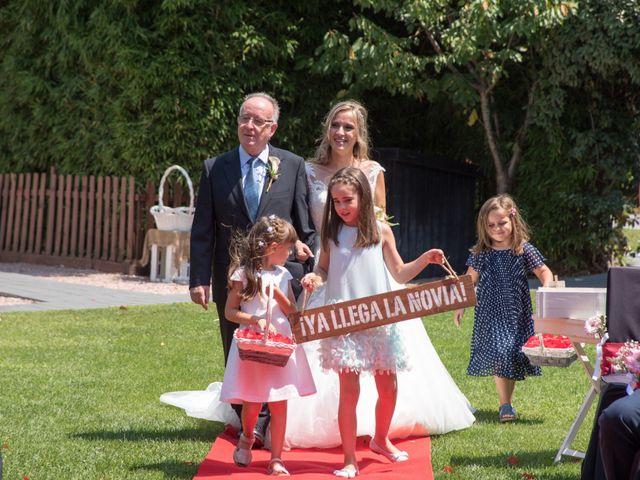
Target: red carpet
315 464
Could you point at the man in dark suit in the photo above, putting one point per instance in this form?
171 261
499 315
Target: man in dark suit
253 180
620 437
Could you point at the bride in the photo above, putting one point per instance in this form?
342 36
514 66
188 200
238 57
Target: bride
429 401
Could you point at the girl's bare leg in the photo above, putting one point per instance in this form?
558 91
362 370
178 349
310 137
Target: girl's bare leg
278 426
387 386
347 421
250 411
505 387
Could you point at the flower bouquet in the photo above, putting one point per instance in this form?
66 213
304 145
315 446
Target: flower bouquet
550 350
596 325
264 347
628 361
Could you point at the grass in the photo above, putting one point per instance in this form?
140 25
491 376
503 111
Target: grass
633 238
79 399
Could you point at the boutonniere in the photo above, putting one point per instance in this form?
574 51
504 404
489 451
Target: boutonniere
273 170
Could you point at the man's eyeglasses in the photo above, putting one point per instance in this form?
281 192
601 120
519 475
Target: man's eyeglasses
257 122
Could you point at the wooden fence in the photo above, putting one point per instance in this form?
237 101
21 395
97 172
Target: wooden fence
77 221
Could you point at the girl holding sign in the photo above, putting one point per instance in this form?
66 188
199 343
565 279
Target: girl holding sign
498 264
257 261
421 409
355 250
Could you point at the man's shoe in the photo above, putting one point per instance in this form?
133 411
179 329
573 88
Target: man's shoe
259 436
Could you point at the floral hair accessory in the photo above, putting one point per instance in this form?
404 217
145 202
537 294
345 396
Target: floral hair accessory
273 170
269 229
271 217
514 211
260 244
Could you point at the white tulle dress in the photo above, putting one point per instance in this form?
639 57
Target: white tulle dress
429 401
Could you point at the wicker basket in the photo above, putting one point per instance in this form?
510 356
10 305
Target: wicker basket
264 351
178 218
550 357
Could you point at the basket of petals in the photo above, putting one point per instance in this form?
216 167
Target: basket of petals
263 347
550 350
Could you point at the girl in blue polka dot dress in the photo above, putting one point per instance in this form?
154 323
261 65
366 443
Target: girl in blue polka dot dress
503 321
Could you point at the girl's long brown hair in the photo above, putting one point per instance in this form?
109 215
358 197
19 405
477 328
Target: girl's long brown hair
249 250
520 229
368 231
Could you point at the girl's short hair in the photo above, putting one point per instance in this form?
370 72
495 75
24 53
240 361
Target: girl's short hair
249 250
520 229
368 230
361 147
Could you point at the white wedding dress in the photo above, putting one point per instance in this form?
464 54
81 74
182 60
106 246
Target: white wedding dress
429 401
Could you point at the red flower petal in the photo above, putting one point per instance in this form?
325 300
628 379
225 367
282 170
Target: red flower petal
448 469
512 460
528 476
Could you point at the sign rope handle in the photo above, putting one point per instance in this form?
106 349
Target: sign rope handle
447 268
305 299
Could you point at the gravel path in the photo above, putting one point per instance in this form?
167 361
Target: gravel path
87 277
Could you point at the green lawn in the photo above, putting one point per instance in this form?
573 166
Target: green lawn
633 237
79 399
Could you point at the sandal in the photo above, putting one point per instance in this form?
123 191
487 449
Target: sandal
507 413
345 472
277 468
242 453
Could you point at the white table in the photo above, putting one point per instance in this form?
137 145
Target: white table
169 259
574 329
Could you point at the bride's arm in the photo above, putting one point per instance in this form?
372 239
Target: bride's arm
380 193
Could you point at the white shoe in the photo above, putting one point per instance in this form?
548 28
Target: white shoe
394 457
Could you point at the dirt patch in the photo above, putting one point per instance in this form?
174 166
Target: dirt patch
90 277
6 300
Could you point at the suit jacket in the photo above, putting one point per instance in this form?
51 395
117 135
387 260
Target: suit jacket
221 210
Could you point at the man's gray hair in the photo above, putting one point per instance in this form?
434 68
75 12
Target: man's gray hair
266 96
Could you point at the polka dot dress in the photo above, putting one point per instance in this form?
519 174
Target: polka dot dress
503 317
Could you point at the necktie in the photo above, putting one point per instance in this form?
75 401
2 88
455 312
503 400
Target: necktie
252 189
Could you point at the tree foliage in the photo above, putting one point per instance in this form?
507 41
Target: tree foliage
583 163
541 94
552 85
464 50
132 87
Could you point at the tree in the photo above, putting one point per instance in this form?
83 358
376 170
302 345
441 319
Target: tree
464 50
108 88
582 168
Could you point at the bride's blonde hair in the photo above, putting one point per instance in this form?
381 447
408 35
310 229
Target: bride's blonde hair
361 147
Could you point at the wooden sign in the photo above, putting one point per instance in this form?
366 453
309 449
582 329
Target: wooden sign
376 310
